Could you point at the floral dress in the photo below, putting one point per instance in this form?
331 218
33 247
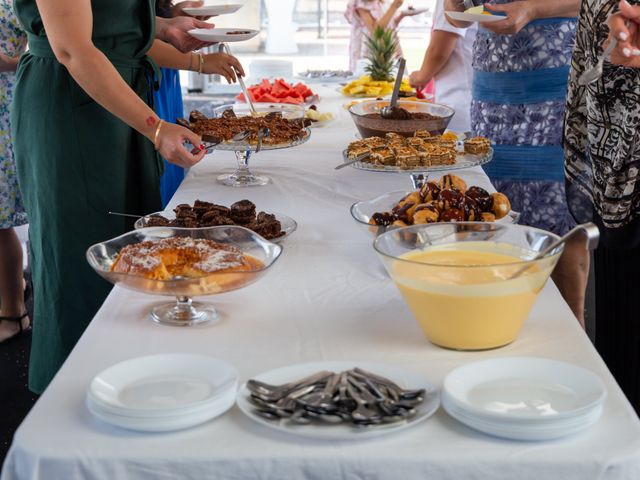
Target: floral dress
12 42
359 32
519 92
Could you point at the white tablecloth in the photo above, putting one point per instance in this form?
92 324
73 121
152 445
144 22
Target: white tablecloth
327 298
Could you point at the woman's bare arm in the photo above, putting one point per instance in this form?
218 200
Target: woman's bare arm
436 57
384 21
167 56
68 24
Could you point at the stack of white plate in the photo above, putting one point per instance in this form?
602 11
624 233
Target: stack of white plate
524 398
163 392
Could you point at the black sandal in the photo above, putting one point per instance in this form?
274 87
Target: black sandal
18 320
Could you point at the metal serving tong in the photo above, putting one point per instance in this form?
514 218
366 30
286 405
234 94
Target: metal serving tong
238 137
253 110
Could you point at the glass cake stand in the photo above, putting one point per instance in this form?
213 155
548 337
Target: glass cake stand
184 312
242 176
420 174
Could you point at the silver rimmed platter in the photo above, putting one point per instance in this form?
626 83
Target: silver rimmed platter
287 224
253 147
463 160
362 211
343 431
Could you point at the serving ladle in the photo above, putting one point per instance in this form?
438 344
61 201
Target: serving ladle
588 229
392 111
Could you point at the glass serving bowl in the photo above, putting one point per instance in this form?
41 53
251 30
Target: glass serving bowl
184 312
470 285
287 224
378 126
362 211
242 176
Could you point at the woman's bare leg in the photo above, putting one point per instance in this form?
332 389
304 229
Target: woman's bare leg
571 275
11 283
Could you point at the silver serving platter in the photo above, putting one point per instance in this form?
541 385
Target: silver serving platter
362 211
463 160
252 147
287 224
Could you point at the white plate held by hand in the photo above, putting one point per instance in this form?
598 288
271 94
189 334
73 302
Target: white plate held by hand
474 17
223 35
212 10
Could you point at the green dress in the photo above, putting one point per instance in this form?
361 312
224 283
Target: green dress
76 162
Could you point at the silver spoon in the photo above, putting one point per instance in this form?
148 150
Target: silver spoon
595 72
593 235
392 111
238 137
263 132
254 113
125 215
351 162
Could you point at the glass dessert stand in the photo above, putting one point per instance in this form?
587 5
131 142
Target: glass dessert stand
185 312
420 174
242 176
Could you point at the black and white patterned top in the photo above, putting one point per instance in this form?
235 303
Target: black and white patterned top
602 126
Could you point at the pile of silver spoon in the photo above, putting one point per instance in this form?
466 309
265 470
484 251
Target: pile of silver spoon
354 396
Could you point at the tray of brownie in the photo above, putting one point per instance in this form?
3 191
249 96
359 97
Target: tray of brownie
421 152
271 226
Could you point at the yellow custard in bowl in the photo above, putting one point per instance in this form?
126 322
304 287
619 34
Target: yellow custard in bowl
467 295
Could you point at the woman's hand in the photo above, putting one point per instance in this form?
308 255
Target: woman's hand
397 4
226 65
170 144
418 80
174 31
518 15
625 25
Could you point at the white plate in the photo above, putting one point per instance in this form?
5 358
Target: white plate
220 35
166 423
160 385
524 388
212 10
404 378
474 17
531 432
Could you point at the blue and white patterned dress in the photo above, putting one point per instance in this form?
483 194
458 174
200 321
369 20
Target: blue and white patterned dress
518 102
12 42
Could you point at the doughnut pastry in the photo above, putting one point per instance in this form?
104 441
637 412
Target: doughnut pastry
450 198
426 213
482 198
429 191
168 258
501 205
452 215
445 200
488 217
471 210
453 181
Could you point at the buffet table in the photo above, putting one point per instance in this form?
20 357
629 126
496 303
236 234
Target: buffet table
327 298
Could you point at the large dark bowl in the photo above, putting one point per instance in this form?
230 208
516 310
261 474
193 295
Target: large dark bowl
378 127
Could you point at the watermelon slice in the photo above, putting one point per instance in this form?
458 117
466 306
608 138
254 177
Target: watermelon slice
278 92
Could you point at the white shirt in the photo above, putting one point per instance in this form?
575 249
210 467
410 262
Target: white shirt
453 82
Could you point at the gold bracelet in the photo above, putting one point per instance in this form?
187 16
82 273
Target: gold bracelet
190 62
155 137
201 66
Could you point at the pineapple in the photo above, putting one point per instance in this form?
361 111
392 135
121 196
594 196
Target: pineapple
382 46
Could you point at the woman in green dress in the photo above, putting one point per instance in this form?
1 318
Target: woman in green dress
86 143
